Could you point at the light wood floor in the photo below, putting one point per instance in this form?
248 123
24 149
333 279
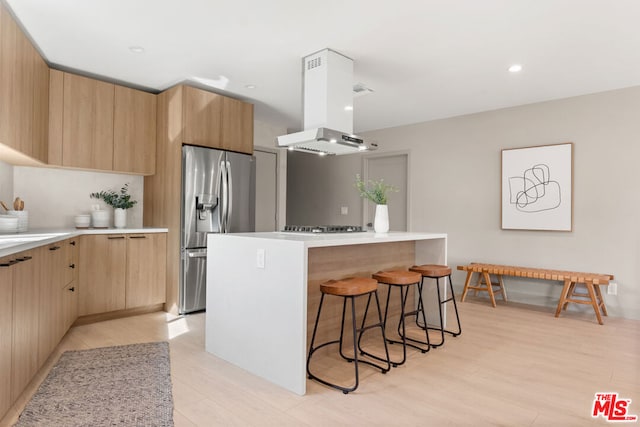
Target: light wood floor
513 365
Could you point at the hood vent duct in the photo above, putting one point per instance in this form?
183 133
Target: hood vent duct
328 108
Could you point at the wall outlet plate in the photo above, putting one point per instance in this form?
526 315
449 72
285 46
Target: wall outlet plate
612 289
260 258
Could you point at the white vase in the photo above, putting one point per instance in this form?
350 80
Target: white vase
381 220
119 218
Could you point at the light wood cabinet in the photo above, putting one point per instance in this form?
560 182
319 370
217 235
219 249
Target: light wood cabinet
134 131
87 123
216 121
52 274
237 125
146 274
6 331
122 271
70 287
102 278
24 82
58 299
26 299
99 125
202 117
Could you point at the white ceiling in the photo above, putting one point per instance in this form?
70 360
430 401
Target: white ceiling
424 59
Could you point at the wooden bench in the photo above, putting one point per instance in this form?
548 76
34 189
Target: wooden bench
591 281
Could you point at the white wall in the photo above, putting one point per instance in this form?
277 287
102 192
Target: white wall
54 196
454 179
6 184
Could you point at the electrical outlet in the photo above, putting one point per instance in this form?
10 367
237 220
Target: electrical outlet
612 289
260 258
344 210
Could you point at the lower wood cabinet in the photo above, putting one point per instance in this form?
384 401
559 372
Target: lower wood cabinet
146 273
6 331
26 298
121 271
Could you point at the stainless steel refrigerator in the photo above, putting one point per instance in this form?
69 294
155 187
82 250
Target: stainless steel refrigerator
218 196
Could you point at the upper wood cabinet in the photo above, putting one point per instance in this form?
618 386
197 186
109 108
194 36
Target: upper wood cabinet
134 131
81 122
202 115
237 125
216 121
24 92
99 125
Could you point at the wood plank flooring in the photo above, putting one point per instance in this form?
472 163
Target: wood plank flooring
513 365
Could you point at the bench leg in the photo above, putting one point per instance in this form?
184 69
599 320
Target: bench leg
570 294
594 302
503 290
563 296
600 299
466 285
487 279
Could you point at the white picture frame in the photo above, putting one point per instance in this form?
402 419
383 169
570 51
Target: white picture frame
537 188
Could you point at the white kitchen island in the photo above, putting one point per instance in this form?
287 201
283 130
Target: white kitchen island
263 290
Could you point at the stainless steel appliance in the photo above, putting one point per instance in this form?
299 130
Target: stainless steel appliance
218 196
323 229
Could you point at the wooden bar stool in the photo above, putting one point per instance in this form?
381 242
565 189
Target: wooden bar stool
350 289
403 280
437 272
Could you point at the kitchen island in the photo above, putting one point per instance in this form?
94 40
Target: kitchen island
263 290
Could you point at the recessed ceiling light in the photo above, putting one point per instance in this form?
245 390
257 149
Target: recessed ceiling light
515 68
348 108
136 49
250 86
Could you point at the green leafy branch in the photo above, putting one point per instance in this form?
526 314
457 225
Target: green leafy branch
121 200
376 191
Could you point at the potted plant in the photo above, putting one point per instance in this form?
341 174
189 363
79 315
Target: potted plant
119 201
378 193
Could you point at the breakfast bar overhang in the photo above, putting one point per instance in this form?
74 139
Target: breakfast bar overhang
260 287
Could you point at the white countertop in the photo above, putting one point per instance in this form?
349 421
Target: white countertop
313 240
17 242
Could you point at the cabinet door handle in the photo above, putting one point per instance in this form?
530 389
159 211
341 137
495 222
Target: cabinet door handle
54 248
137 237
115 237
72 289
24 258
72 266
72 243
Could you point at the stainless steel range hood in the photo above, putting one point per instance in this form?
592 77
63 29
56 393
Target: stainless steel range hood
328 108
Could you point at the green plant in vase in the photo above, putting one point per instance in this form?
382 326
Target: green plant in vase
119 201
378 192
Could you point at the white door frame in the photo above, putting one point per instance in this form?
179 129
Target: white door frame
278 153
365 177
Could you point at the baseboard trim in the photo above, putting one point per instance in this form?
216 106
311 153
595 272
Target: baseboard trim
100 317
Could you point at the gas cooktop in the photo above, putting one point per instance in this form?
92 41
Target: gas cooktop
323 228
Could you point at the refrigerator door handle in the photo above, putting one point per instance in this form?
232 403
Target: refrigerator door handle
229 207
222 208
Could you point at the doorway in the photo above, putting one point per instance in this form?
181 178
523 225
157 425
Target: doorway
266 189
393 168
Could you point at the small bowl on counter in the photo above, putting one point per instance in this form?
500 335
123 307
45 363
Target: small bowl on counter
82 221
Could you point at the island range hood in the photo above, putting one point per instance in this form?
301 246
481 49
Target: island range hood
328 108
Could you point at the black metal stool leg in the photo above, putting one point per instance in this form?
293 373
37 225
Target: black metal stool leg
357 335
364 328
419 310
442 302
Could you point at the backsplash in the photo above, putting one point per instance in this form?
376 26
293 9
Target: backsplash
54 196
6 182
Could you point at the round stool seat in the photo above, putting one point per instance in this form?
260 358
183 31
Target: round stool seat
432 270
397 277
352 286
